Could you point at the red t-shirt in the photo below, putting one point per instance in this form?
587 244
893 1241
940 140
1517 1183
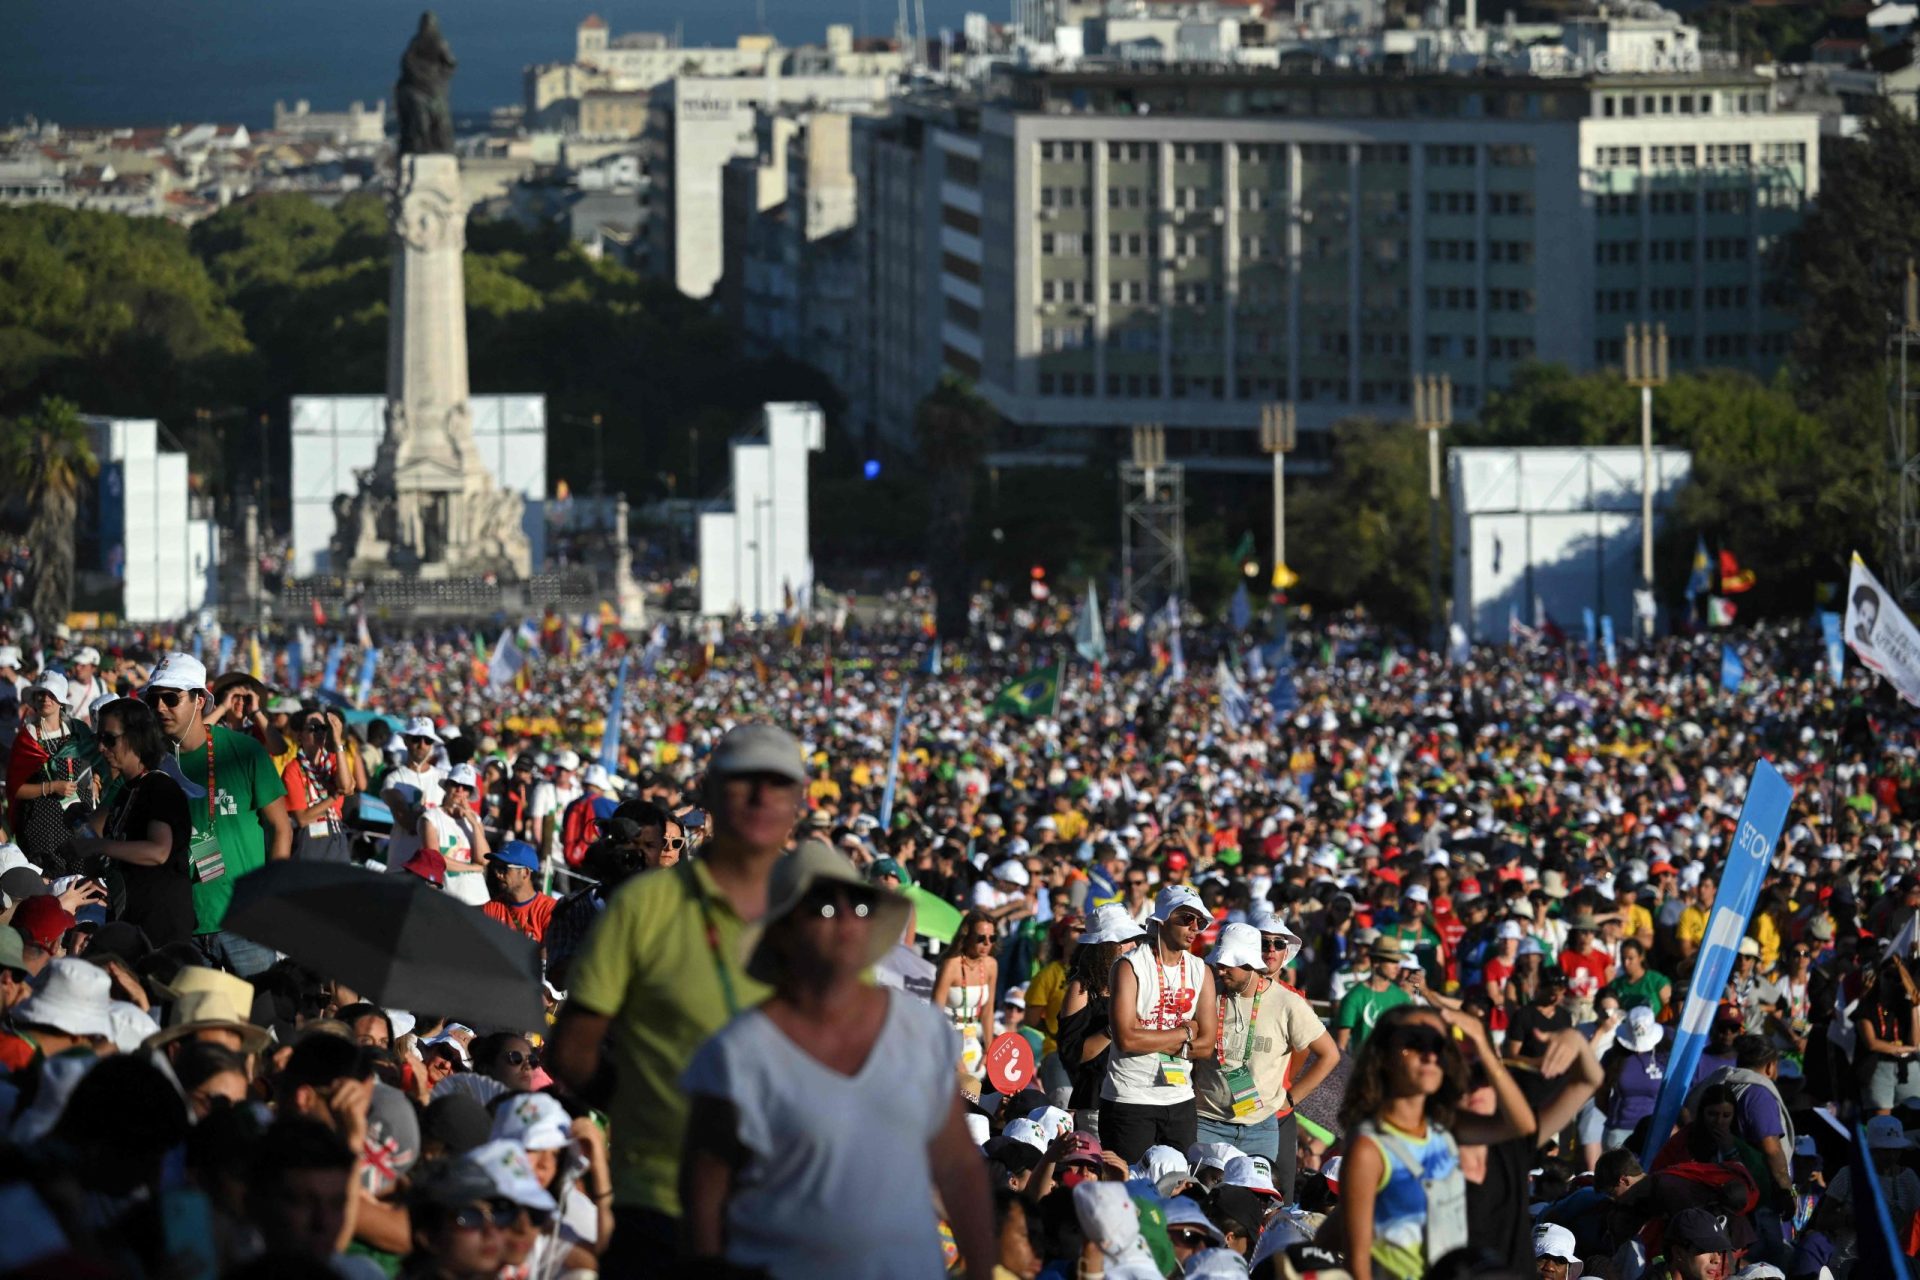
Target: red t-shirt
1586 974
529 917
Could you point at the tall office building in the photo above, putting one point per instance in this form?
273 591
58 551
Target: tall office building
1124 246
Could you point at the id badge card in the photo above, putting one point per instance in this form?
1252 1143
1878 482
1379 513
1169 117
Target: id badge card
204 858
1243 1091
318 830
1173 1071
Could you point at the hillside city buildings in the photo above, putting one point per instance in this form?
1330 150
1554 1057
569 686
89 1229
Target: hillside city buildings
1109 213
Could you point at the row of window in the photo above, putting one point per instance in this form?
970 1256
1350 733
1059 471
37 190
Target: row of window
1468 299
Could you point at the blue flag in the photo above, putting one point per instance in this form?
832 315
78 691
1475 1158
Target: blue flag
1587 624
1606 641
365 683
1240 612
330 678
656 646
199 647
1700 581
1836 648
1732 670
1879 1245
933 658
893 761
1761 818
293 666
226 652
1235 704
616 711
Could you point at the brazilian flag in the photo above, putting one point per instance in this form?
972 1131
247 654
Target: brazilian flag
1036 693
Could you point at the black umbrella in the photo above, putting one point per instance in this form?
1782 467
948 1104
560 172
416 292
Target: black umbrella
394 939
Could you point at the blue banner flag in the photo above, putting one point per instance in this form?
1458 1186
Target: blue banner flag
226 653
365 683
1700 581
893 761
1240 612
1880 1248
1836 647
330 679
199 647
616 711
1732 670
1588 625
294 673
1606 641
1748 857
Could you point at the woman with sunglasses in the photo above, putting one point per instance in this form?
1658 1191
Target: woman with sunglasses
148 829
318 779
765 1178
1403 1196
964 983
51 774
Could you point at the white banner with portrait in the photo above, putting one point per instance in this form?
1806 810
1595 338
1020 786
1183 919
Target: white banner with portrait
1879 633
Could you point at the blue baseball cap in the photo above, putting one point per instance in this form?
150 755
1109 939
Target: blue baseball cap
517 853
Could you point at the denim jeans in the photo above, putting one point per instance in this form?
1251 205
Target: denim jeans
1275 1138
237 955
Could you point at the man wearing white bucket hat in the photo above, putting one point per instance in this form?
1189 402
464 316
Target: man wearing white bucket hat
1164 1018
1242 1093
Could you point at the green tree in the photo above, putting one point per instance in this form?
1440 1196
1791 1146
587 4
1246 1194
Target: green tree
955 428
48 456
1360 533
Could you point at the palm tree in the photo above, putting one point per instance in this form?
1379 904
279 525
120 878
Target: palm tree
955 428
48 456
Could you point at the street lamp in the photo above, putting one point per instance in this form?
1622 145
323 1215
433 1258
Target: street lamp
1433 413
1278 436
1645 365
1149 452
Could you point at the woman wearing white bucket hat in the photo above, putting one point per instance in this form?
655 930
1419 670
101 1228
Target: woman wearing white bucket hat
1085 1035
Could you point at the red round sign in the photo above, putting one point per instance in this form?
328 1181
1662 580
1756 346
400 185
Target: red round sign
1010 1063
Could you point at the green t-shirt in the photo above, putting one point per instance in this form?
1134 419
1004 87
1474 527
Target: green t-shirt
1633 995
1361 1007
647 966
245 783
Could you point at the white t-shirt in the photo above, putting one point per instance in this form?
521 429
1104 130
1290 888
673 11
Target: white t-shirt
549 798
80 697
403 844
837 1184
1167 996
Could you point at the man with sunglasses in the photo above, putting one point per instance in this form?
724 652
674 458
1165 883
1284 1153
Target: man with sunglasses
237 801
1243 1095
411 788
512 897
1164 1016
663 970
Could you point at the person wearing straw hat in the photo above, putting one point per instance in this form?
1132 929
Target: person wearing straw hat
780 1093
1362 1006
210 1006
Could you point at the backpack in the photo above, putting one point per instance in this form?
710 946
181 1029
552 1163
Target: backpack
579 826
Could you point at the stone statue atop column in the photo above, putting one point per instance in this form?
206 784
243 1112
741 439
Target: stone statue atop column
430 507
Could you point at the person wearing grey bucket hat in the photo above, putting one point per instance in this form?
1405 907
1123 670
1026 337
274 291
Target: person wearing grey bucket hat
664 969
776 1092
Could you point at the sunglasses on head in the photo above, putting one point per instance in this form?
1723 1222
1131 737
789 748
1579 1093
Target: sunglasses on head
1418 1039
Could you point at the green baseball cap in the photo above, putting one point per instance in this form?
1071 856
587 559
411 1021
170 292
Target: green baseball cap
13 949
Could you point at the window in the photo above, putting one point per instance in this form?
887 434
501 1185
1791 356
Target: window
955 265
960 220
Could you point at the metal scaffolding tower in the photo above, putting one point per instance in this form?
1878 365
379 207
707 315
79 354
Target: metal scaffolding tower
1903 410
1153 524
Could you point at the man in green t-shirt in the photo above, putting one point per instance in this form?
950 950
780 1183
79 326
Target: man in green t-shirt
236 797
662 970
1361 1007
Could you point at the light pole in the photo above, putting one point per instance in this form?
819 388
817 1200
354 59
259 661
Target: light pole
1645 365
1149 452
1433 413
1278 435
759 556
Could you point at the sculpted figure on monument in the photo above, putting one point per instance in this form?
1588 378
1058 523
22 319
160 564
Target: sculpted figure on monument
420 98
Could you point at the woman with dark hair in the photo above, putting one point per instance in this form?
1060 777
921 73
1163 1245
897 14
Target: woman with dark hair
147 829
212 1076
51 776
1085 1010
318 779
1403 1196
964 984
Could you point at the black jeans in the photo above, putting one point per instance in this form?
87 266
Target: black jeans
1128 1129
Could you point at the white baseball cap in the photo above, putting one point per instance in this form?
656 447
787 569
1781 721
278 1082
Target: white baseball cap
1238 948
1417 893
506 1165
1025 1130
420 727
86 656
463 775
568 759
535 1122
597 776
1510 929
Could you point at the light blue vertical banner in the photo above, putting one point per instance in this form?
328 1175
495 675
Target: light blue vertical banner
367 665
1593 638
893 760
1761 818
1732 670
616 711
1607 645
1836 647
330 678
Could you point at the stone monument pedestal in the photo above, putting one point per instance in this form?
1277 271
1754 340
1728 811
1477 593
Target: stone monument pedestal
430 508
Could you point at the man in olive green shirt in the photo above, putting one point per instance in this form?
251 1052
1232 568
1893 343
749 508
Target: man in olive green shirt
661 971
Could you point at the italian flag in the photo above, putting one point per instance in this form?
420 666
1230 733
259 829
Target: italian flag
1720 611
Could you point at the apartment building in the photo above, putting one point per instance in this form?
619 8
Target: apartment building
1124 246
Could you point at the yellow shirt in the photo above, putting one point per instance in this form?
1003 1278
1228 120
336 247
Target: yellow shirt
1069 825
1693 925
1767 934
1044 994
646 964
1639 920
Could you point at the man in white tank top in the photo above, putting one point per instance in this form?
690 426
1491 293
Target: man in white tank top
1164 1017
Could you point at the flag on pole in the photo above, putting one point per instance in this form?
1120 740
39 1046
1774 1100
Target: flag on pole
294 671
933 658
226 652
367 666
1284 579
1035 694
1235 705
504 668
1283 695
616 712
1720 611
1089 637
1880 634
656 647
1240 611
330 678
893 761
1590 626
1732 670
1606 641
1176 657
1700 581
1733 579
1879 1248
319 614
199 646
1836 648
1459 648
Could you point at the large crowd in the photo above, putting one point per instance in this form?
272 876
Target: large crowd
1376 971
